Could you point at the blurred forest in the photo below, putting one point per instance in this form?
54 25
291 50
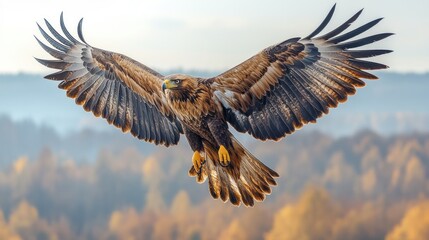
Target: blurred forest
107 185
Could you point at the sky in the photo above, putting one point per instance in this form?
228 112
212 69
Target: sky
203 34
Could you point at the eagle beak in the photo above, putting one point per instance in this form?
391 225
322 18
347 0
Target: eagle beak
164 86
167 85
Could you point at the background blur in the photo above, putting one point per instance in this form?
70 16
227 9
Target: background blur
361 172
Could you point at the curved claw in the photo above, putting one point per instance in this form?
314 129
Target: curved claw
224 158
223 165
197 161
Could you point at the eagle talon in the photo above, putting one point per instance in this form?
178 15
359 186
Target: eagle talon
202 164
224 158
223 165
198 161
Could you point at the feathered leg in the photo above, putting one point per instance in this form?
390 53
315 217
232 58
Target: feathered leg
219 130
195 141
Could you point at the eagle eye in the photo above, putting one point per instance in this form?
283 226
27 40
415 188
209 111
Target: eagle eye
176 81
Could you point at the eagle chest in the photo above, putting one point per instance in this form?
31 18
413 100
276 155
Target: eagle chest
190 111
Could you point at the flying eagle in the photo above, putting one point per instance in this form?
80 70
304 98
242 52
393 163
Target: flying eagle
270 95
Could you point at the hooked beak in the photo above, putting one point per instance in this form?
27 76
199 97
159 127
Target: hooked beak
167 85
164 86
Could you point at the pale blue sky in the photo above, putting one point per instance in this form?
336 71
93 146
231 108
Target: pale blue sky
202 34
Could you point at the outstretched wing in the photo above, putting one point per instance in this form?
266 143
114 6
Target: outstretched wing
295 82
121 90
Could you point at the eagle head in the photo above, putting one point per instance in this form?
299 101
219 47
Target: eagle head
179 83
182 87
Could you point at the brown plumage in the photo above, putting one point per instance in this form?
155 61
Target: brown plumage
268 96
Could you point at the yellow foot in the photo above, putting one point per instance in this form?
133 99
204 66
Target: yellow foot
197 161
223 156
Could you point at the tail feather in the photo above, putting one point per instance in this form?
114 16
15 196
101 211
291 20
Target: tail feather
245 180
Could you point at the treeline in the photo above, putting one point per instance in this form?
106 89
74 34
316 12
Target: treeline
365 186
24 137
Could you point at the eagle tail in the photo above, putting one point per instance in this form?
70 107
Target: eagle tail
245 179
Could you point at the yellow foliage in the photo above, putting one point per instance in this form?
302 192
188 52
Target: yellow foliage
152 172
234 232
400 152
395 177
310 218
154 201
164 228
371 158
150 167
414 172
24 216
365 222
414 225
25 221
115 221
374 186
338 171
369 181
124 224
181 205
7 232
20 164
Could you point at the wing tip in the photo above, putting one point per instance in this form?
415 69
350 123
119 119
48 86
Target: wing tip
80 32
323 24
357 15
65 31
38 60
62 18
57 76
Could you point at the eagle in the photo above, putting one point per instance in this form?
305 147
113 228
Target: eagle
268 96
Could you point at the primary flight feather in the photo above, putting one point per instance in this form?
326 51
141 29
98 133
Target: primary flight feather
268 96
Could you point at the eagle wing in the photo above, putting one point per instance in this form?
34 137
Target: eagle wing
123 91
292 83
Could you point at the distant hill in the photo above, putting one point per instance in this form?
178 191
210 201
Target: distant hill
396 103
25 137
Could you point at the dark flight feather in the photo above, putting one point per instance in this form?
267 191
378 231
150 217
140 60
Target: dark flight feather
101 81
302 78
